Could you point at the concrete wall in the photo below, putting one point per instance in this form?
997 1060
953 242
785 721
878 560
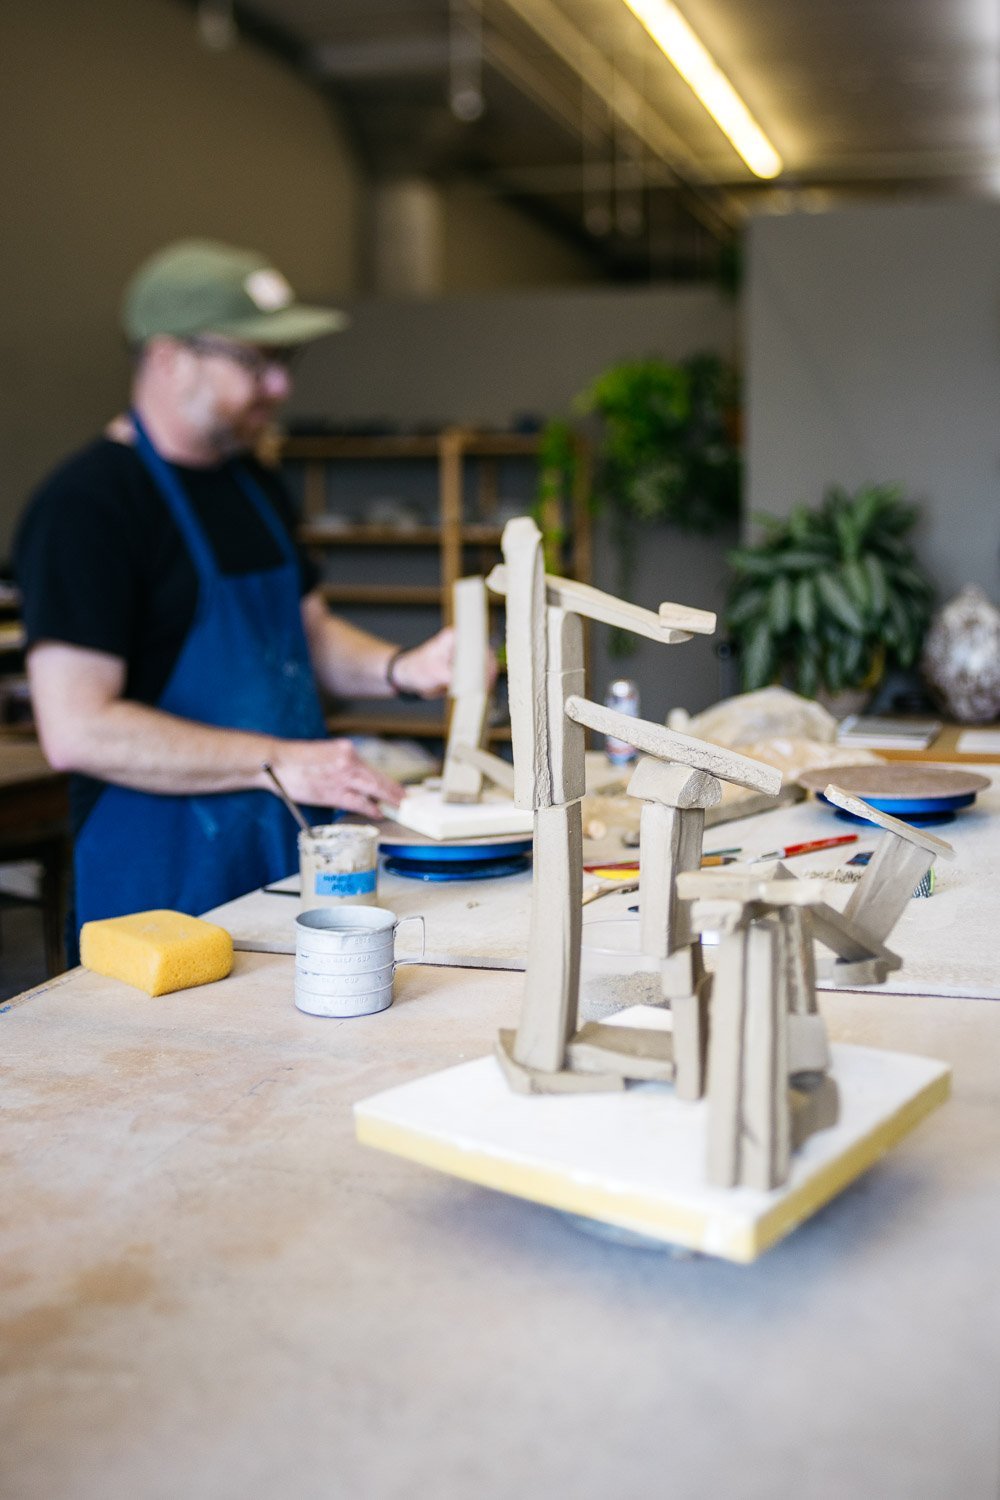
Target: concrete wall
485 361
489 246
873 354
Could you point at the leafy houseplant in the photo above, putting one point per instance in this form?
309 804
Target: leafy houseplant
557 468
830 596
668 452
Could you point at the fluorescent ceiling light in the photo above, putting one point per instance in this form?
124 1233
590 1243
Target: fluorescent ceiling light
705 78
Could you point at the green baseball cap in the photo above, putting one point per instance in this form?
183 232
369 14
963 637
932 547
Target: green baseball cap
202 286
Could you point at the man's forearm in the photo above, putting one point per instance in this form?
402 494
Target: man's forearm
351 663
348 662
149 750
86 725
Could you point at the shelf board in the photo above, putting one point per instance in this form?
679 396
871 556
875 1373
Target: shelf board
503 445
422 445
13 636
314 534
481 536
413 726
321 446
382 593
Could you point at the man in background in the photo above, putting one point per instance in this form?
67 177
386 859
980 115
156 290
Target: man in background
177 640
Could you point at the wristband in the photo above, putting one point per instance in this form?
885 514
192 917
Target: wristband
400 692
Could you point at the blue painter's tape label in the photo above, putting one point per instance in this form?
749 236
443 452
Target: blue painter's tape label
359 883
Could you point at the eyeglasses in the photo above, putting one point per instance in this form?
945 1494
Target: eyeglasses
256 362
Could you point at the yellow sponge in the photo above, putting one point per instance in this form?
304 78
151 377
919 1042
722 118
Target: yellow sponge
157 951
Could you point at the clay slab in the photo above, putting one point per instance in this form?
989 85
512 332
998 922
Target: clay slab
427 812
898 779
637 1160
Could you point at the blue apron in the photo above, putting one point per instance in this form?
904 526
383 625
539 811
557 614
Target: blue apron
244 664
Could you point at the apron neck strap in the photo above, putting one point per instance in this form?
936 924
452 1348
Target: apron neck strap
167 481
164 475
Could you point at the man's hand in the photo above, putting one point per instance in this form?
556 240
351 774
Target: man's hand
426 669
352 663
86 725
330 773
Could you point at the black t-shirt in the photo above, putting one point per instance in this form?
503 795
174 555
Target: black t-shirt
102 564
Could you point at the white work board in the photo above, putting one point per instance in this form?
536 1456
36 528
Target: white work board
948 941
637 1160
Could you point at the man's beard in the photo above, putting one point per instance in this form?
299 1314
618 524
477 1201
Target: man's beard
223 437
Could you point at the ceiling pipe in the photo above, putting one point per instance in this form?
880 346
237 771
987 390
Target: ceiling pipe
407 238
537 85
383 58
465 61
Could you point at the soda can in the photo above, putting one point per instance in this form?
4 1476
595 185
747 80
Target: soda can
623 696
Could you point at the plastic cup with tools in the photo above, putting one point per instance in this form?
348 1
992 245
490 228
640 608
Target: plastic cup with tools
338 863
614 971
345 959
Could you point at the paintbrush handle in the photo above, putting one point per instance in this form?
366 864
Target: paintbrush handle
811 844
268 769
808 847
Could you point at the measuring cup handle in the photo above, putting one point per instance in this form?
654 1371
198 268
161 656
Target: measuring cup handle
423 931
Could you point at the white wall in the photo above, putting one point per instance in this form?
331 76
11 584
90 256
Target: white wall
873 354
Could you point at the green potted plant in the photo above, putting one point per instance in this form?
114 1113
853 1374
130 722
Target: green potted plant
557 467
830 597
667 451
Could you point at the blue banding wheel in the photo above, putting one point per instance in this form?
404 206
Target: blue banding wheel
921 811
440 870
457 853
913 792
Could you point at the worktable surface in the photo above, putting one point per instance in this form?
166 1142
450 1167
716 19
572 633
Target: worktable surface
949 944
210 1290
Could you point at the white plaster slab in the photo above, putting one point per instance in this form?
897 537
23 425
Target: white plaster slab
979 742
637 1160
427 812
